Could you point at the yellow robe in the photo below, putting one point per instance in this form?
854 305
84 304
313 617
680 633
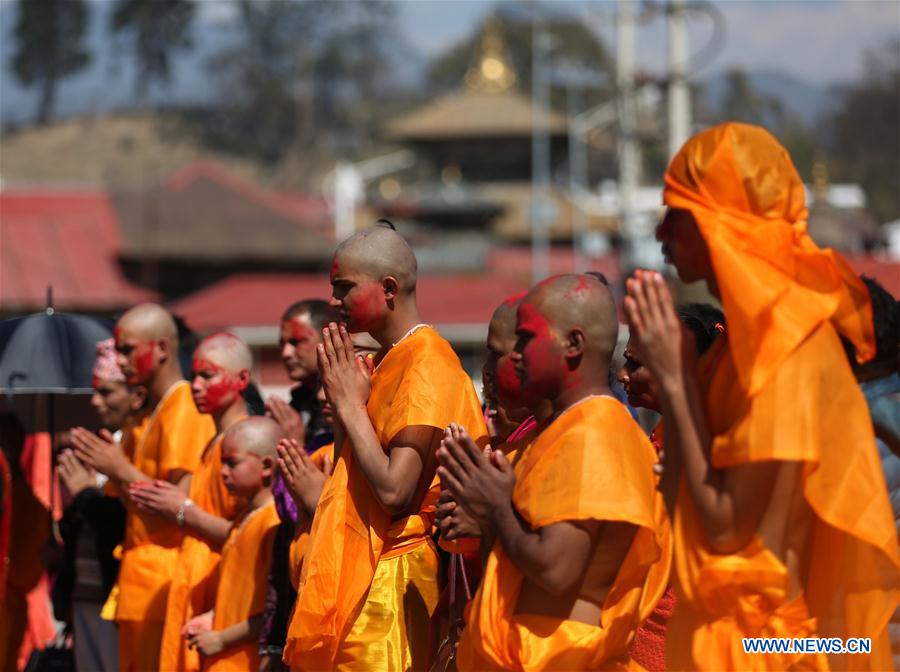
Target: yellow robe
241 589
781 390
171 439
369 584
592 463
192 591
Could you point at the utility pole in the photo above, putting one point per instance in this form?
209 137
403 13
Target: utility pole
629 151
679 91
541 206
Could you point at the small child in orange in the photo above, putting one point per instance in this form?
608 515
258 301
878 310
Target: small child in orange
226 637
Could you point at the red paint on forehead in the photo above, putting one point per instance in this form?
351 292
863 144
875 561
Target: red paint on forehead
530 318
298 328
514 299
219 391
581 287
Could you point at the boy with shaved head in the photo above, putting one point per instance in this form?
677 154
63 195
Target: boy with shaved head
166 447
226 637
221 372
369 582
581 552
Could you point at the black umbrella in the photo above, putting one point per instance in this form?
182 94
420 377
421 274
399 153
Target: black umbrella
46 363
49 352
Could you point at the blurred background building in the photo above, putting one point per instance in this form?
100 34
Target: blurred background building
209 155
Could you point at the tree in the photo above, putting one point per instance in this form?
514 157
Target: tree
864 136
157 28
300 73
49 46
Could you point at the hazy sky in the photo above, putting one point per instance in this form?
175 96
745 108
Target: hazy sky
822 42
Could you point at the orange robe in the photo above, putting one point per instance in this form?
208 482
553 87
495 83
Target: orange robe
592 463
193 591
781 389
171 439
241 590
300 542
370 584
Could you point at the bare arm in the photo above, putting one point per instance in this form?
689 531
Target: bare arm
165 499
731 502
553 557
211 642
393 475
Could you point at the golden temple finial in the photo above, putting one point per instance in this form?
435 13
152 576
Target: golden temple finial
491 72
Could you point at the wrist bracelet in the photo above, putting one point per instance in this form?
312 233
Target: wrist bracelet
179 515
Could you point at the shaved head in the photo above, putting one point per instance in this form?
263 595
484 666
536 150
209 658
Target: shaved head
226 350
150 321
257 434
503 321
379 252
579 302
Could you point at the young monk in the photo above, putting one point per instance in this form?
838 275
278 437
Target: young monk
227 637
221 372
167 447
302 477
304 422
369 582
581 551
705 323
782 523
509 421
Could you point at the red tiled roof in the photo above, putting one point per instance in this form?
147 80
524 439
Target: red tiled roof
67 239
259 300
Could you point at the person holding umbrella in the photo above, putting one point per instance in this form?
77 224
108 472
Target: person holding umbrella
166 447
93 523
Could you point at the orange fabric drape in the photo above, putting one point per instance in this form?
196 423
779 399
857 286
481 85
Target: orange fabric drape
592 463
300 542
420 382
241 590
192 591
172 439
776 285
781 389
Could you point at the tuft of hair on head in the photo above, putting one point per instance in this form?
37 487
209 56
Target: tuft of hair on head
152 322
704 320
226 350
320 312
386 224
257 434
379 252
600 276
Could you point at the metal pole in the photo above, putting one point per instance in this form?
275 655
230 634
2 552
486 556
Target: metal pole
679 90
540 156
577 178
629 152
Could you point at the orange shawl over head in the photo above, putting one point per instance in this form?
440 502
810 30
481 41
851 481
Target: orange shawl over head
420 382
779 387
592 463
776 285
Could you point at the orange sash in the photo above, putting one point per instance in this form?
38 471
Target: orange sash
592 463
